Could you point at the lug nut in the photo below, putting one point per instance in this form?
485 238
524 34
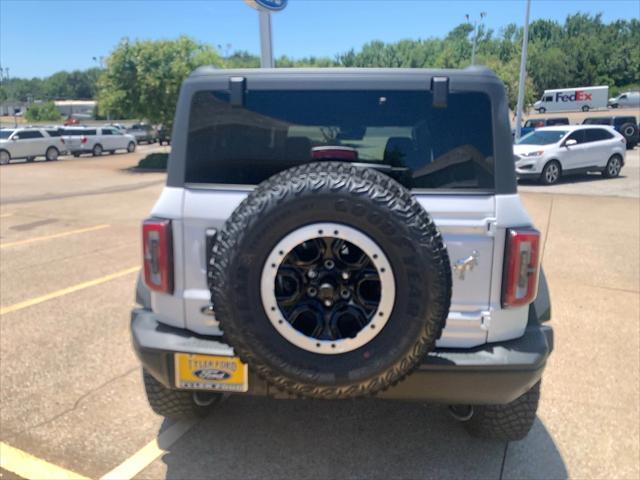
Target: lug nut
345 275
312 292
329 264
345 293
328 303
312 274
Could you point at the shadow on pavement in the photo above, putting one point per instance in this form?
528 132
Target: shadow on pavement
569 179
250 437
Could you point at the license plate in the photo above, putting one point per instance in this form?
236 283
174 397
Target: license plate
210 372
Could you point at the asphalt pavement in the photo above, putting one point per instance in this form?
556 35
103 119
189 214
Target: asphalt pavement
71 395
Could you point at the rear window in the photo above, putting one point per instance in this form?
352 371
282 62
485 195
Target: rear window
399 131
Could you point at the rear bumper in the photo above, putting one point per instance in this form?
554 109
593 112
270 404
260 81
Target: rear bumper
495 373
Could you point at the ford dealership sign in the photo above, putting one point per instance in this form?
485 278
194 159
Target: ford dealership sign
270 5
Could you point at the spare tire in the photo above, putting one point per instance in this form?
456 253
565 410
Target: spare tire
330 281
630 132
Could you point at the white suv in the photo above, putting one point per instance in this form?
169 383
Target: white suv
548 153
29 143
92 140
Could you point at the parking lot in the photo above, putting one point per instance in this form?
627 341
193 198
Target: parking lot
71 395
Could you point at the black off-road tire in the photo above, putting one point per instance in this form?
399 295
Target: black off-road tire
175 404
363 199
629 131
542 110
509 422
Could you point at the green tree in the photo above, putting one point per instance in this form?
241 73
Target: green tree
43 112
143 78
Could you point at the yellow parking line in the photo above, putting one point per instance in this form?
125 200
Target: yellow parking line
55 235
32 468
5 215
65 291
150 452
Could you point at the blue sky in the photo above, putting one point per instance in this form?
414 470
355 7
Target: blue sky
38 38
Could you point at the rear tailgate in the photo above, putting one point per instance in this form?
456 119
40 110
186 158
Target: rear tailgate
465 221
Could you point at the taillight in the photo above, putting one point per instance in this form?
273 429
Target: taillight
157 251
83 139
521 267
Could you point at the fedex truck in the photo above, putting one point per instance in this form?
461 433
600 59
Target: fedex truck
573 99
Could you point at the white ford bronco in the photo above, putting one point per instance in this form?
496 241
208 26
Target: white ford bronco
342 233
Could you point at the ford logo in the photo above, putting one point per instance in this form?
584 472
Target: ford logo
271 5
211 374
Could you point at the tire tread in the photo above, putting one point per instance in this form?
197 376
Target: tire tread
364 182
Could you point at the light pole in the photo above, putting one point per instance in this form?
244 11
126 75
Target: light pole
523 71
475 35
264 8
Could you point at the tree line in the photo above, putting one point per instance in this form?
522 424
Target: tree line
142 78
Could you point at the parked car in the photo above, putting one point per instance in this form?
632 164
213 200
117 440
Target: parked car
548 153
533 123
626 99
332 248
79 140
30 143
119 126
626 125
142 133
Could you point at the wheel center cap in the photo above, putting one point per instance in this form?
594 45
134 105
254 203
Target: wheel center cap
326 292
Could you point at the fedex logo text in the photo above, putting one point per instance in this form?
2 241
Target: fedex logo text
577 96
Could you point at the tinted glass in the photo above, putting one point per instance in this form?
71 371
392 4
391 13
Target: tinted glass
5 133
76 132
542 137
421 146
27 134
597 121
106 131
54 133
578 136
622 120
597 134
558 121
548 99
